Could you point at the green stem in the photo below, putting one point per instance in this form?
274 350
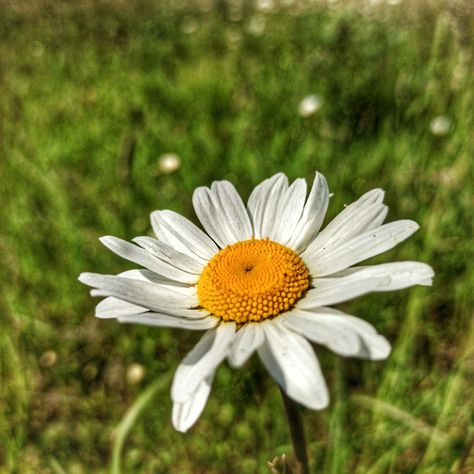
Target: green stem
295 421
131 416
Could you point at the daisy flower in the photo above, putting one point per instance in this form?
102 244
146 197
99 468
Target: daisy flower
260 278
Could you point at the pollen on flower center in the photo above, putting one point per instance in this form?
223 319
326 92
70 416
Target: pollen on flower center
252 280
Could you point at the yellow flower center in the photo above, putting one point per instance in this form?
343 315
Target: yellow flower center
252 280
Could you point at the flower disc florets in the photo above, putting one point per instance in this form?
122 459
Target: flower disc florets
252 280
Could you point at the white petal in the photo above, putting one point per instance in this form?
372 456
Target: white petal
373 345
148 295
262 189
337 290
209 216
264 204
222 213
377 220
273 210
365 245
142 274
232 210
247 340
165 320
112 307
374 195
313 215
169 255
427 282
142 257
291 208
202 361
342 341
181 234
400 274
291 361
354 224
185 414
366 213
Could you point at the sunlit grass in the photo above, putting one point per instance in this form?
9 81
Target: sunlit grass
92 94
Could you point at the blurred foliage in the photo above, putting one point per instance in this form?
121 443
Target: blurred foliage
92 93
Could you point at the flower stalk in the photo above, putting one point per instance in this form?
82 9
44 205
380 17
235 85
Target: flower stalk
298 438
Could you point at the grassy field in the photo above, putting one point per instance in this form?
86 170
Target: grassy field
93 93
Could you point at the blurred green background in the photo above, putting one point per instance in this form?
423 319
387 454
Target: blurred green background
93 94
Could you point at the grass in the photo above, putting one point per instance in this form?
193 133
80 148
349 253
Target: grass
92 93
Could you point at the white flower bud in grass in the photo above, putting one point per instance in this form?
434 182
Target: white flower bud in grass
48 358
309 105
189 25
135 374
440 125
168 163
265 5
256 25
